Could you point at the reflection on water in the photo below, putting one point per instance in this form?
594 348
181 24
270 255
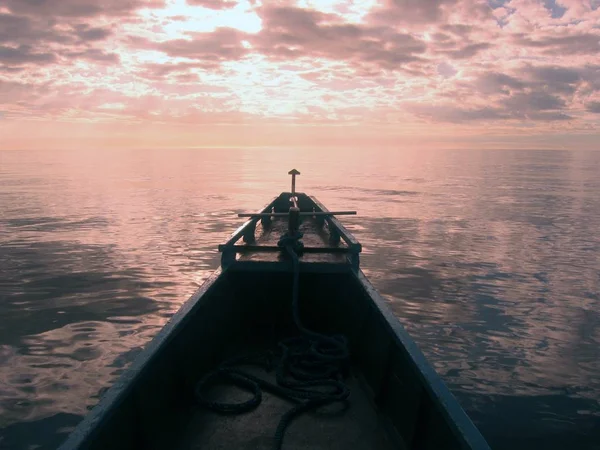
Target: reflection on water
490 259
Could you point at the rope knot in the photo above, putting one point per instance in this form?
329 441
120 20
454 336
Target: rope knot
292 242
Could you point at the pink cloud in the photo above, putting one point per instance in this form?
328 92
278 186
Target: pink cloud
593 107
561 43
398 62
412 11
77 8
212 48
214 4
291 33
30 38
24 54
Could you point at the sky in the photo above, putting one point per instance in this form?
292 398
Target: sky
304 73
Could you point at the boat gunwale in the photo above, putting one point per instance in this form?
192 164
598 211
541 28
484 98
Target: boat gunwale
242 229
454 415
125 383
333 222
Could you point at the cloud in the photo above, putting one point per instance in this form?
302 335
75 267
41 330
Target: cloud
94 54
450 113
18 95
572 44
539 93
495 82
23 30
77 8
532 93
291 33
87 33
533 101
455 114
39 41
403 62
593 107
224 44
446 70
214 4
413 11
24 54
11 69
546 116
61 27
160 72
556 78
466 52
569 81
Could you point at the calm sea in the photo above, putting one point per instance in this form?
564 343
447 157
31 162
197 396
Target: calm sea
490 259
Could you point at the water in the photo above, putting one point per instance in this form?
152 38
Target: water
491 260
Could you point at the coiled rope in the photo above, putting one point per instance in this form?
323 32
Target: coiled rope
309 371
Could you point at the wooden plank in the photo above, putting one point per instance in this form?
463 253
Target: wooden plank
314 237
237 234
432 431
275 248
336 224
400 403
405 391
302 213
373 352
286 266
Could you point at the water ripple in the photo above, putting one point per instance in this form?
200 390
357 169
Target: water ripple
490 260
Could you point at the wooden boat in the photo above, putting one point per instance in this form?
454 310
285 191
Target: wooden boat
381 394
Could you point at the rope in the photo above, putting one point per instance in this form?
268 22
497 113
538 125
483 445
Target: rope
309 370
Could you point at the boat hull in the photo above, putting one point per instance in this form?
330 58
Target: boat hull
397 400
152 404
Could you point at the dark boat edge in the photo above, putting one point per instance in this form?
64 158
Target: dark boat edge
463 426
117 392
443 400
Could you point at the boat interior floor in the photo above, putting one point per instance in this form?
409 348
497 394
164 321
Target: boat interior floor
351 426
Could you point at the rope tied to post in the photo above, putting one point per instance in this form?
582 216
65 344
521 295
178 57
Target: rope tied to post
309 371
292 244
